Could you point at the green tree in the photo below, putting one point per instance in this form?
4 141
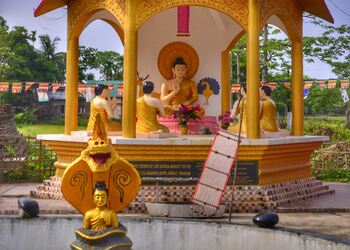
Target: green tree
238 59
321 101
57 60
87 61
110 65
283 98
332 47
5 50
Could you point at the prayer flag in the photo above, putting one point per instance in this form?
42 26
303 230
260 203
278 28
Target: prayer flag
120 89
16 87
28 85
42 95
82 88
344 84
287 85
110 86
4 86
55 87
332 84
344 95
306 92
42 92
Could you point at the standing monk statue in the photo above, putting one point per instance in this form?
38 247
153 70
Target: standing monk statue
239 112
178 90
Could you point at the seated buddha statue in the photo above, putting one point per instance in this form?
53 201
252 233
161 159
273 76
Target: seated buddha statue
147 109
178 90
239 111
100 217
268 122
102 105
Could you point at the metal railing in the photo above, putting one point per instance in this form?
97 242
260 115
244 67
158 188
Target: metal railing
24 159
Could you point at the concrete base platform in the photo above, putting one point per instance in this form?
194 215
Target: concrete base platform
182 210
326 219
247 199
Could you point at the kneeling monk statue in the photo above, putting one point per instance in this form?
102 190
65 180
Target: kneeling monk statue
147 109
268 121
179 90
105 108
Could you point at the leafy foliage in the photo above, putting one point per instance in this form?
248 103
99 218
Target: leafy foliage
20 61
332 127
324 101
108 63
28 116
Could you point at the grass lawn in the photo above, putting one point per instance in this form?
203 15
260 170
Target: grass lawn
34 129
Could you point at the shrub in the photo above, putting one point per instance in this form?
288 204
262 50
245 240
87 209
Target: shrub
28 116
332 127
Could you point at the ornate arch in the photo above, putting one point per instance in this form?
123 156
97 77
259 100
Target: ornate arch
79 13
289 12
236 9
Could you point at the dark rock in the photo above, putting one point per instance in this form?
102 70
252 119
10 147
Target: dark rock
28 208
267 219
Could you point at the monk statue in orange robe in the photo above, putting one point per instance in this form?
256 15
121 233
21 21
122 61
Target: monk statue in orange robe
106 108
147 109
178 90
268 121
239 112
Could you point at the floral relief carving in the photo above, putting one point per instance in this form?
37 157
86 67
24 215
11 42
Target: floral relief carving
80 8
285 8
236 9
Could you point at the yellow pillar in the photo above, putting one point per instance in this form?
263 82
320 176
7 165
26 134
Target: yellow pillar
130 71
253 122
297 89
225 81
71 106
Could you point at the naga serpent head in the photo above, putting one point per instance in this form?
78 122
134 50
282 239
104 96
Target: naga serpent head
100 154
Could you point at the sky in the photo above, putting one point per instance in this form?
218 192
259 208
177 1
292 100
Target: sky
101 36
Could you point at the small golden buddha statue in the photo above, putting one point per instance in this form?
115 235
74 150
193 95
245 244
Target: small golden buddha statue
101 216
105 107
239 111
148 107
178 90
268 122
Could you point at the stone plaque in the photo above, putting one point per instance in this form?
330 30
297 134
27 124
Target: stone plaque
168 169
247 173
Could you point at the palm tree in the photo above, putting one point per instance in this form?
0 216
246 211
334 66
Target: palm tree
48 49
48 46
